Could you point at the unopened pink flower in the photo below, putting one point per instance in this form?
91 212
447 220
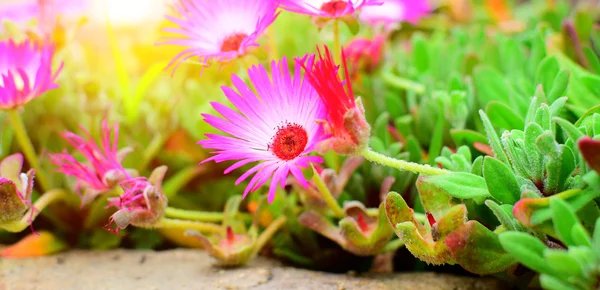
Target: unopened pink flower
25 72
277 126
364 53
219 30
327 8
393 12
103 169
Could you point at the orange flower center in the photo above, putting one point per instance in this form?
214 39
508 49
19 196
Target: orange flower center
233 42
334 6
289 142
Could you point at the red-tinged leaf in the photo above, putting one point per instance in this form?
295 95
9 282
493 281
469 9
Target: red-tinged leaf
590 149
478 250
35 245
483 148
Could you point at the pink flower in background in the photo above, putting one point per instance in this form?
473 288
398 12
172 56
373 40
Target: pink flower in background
104 169
276 127
46 11
25 72
364 54
219 30
327 8
393 12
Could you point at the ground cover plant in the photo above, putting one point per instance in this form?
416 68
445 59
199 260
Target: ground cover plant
454 136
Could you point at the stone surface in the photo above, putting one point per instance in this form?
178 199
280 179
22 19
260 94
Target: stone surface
194 269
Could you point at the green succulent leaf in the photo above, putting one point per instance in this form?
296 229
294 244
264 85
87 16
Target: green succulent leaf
502 116
503 214
528 250
500 181
478 249
552 283
493 138
461 185
559 86
564 220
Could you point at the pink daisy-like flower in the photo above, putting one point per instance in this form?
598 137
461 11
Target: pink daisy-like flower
327 8
277 126
25 72
219 30
104 170
393 12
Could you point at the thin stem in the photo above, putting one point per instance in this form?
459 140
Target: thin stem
152 150
201 216
392 246
401 164
267 234
337 50
327 196
274 54
403 83
17 123
39 205
186 225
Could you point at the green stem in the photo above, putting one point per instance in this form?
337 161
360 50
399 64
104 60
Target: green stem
39 205
392 246
21 133
191 225
201 216
267 234
403 83
152 150
327 196
401 164
337 50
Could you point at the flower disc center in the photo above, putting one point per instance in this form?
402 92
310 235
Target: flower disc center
334 6
289 141
233 42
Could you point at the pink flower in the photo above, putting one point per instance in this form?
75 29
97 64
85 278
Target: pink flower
104 169
219 30
365 54
45 11
345 116
142 204
393 12
25 72
327 8
276 127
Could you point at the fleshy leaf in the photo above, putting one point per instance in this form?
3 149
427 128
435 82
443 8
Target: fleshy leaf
11 167
527 249
460 185
35 245
564 220
590 149
478 249
500 180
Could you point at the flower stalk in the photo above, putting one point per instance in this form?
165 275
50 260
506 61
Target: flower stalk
402 165
267 234
201 216
25 142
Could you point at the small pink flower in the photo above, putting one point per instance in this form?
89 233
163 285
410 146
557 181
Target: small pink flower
142 204
104 169
277 126
219 30
393 12
327 8
25 72
365 54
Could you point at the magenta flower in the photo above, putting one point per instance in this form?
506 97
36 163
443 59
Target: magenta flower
327 8
143 202
45 11
25 72
219 30
365 54
276 127
393 12
104 169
